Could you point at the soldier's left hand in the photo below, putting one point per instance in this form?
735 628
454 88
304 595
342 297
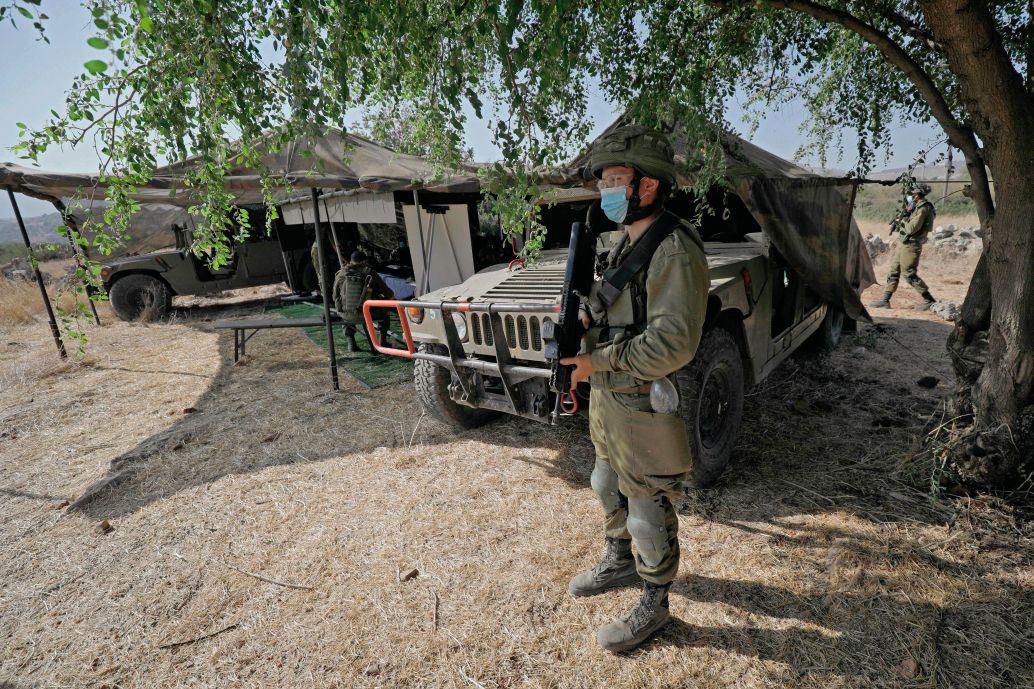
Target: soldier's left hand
582 367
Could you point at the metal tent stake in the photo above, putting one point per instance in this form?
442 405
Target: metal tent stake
326 284
39 278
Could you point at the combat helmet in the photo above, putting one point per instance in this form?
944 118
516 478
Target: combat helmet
920 188
645 150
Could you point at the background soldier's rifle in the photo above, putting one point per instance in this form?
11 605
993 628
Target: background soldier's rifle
563 338
902 215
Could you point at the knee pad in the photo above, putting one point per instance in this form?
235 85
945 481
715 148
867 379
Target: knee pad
604 483
646 524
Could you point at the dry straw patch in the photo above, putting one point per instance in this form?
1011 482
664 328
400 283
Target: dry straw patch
18 302
264 530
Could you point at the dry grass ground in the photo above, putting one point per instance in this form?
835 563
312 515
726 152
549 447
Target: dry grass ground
255 527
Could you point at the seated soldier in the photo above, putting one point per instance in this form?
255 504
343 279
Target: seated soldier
353 285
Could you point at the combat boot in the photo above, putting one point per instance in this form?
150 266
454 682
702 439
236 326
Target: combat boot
927 302
352 346
636 625
882 303
617 568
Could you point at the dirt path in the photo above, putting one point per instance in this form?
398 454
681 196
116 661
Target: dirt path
259 524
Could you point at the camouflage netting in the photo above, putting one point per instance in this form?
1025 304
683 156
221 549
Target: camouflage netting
808 217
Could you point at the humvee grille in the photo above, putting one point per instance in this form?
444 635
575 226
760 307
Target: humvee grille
481 327
526 332
486 322
511 334
522 332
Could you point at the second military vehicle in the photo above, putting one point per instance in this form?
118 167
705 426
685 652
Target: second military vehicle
144 284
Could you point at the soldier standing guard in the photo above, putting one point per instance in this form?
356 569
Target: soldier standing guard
353 285
332 261
912 233
644 323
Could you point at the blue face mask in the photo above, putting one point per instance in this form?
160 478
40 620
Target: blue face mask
614 203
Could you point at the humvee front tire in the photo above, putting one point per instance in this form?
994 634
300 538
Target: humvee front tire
432 389
138 296
711 387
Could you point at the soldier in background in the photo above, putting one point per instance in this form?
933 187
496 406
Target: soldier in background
912 232
334 263
353 285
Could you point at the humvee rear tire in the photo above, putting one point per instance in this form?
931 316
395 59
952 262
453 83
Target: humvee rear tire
827 337
432 389
711 387
140 297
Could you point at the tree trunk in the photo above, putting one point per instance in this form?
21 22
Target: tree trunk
1000 443
1009 384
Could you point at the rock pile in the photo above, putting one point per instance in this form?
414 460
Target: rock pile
948 241
19 269
948 310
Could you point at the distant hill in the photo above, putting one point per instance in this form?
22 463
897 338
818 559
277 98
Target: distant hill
40 229
924 172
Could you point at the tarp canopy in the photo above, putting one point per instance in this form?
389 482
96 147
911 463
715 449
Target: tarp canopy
809 218
333 161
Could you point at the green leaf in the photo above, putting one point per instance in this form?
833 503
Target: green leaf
25 13
96 42
95 66
101 24
147 24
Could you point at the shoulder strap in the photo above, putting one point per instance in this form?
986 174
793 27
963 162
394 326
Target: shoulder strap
615 279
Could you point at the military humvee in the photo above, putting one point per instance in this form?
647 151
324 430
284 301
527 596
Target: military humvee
146 283
489 345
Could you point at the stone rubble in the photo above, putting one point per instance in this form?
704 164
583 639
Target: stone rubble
947 241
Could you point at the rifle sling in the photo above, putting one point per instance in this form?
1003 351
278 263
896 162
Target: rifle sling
616 277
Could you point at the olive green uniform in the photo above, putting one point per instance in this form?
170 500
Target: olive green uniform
906 260
353 285
316 265
643 458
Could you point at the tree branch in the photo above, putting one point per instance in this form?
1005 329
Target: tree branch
909 27
960 135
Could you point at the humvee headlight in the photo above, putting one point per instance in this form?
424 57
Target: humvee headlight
461 325
416 314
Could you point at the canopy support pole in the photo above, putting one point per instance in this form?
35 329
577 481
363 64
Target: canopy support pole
73 234
320 251
39 278
423 249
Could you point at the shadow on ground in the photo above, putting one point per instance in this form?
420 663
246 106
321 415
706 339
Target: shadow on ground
822 438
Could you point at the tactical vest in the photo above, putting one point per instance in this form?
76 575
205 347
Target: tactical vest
923 231
355 288
627 315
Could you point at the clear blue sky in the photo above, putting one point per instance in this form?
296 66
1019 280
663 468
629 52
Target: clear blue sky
36 76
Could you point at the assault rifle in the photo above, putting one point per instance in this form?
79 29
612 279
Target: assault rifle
563 338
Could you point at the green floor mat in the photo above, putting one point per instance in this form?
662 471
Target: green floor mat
366 365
